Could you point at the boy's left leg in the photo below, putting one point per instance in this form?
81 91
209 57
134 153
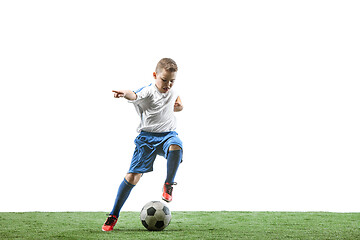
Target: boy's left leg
173 161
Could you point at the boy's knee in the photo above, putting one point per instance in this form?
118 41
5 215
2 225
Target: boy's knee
133 178
174 147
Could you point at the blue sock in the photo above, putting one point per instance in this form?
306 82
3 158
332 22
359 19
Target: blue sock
123 193
173 162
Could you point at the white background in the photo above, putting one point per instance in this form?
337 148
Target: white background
270 92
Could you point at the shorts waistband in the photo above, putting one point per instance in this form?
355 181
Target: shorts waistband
159 134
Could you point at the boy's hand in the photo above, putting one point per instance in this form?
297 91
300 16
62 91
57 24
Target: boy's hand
178 105
119 94
127 94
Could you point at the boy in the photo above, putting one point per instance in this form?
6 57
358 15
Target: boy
156 105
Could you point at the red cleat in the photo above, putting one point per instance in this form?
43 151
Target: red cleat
167 192
110 223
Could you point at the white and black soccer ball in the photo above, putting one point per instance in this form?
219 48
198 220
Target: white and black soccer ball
155 216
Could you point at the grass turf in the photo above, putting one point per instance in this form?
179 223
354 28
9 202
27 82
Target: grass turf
184 225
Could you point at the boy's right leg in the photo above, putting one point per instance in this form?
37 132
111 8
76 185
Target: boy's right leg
130 180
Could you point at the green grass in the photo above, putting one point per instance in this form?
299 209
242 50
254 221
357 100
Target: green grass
184 225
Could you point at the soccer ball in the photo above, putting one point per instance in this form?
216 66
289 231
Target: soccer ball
155 216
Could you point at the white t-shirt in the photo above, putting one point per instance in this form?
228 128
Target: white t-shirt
156 109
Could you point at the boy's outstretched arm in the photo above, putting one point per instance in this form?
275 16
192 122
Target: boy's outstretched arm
127 94
178 105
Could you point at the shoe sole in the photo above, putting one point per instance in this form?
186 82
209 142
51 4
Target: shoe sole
106 230
166 200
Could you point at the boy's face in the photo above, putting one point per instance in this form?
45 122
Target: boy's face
164 80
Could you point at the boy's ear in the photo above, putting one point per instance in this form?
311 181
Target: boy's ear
154 74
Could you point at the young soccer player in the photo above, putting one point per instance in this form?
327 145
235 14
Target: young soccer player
156 105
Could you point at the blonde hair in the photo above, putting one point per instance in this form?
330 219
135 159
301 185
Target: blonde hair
166 63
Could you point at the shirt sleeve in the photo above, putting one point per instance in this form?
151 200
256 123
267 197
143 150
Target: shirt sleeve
141 94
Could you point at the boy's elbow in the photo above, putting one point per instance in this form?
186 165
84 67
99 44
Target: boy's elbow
130 95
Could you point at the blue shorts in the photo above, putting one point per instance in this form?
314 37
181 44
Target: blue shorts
148 146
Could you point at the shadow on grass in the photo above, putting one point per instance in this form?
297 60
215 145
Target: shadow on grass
144 230
132 230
